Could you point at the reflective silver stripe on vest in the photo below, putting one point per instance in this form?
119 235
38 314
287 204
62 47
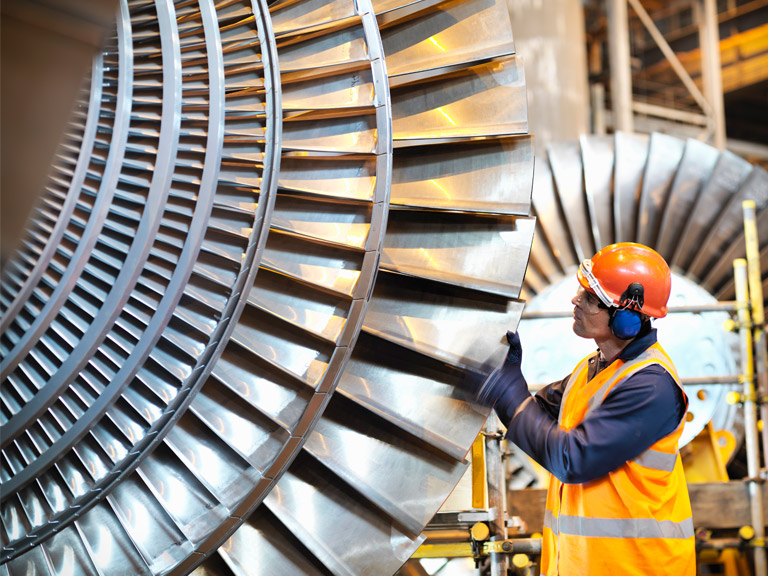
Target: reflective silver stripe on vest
657 460
550 521
625 528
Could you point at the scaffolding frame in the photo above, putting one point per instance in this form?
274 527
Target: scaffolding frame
481 534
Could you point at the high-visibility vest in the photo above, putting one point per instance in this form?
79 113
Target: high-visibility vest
637 519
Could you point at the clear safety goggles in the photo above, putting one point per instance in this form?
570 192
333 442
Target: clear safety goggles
586 270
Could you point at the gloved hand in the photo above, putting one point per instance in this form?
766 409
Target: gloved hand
515 352
506 383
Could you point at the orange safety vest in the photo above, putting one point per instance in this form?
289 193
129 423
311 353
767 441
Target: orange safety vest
636 520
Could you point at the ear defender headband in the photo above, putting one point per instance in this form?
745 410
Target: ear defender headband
626 320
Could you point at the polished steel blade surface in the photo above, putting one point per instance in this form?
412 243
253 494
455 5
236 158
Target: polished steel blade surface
727 177
597 153
631 152
466 251
694 169
486 99
257 205
566 169
664 153
435 40
489 176
398 391
548 207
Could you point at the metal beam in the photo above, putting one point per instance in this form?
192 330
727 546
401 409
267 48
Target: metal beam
711 68
621 78
670 55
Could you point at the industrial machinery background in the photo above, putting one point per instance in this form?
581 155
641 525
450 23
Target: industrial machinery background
681 197
274 240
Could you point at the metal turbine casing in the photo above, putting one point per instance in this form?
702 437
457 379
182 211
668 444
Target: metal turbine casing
274 240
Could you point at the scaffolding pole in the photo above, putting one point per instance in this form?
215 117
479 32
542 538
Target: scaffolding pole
750 414
497 491
758 315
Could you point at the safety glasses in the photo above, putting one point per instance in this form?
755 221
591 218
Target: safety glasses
586 270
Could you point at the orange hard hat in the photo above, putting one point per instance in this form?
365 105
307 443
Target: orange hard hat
615 272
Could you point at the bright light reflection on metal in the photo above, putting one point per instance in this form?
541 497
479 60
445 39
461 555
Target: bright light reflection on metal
56 497
356 239
436 43
349 275
443 190
16 529
37 516
68 563
304 493
447 117
102 548
192 457
176 494
429 258
353 446
210 463
291 314
141 521
315 321
325 450
366 386
271 353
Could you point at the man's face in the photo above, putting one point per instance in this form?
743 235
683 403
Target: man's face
589 319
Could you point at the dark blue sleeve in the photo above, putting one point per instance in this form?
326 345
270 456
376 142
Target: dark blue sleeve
638 412
507 386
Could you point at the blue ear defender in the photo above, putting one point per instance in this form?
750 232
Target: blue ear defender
625 323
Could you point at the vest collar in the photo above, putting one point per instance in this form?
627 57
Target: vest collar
638 345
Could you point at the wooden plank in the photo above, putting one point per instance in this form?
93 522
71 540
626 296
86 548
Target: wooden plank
716 505
723 504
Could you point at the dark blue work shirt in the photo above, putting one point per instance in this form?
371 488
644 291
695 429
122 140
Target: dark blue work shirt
636 413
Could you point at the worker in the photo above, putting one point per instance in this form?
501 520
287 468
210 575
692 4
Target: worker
617 502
